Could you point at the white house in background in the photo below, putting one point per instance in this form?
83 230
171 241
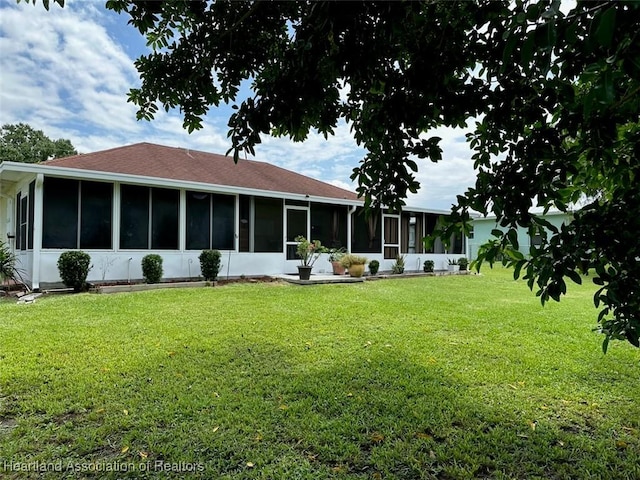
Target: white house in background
118 205
482 227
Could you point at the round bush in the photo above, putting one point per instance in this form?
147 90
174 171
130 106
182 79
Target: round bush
210 264
374 266
74 266
152 268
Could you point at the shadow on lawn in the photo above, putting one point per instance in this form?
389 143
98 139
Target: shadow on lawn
257 410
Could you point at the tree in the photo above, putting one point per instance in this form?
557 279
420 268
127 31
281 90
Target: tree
21 143
554 96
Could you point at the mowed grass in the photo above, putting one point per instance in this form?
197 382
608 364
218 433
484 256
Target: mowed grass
447 377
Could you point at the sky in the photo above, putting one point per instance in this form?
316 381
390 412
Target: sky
67 72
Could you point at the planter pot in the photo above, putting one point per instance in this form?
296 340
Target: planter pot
304 272
453 268
338 269
356 270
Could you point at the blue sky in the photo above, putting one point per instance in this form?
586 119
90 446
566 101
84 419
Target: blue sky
67 72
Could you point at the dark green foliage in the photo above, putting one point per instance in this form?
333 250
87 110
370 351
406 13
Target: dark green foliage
74 266
556 95
22 143
152 268
428 265
210 264
374 266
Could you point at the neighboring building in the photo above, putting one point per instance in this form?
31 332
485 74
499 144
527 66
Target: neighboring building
119 205
482 227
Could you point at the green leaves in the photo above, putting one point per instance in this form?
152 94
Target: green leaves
556 96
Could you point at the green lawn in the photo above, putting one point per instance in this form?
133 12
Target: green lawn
433 377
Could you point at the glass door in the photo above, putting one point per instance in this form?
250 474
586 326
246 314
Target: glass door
297 223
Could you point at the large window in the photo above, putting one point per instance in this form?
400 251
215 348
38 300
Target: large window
149 218
210 221
411 229
268 226
366 232
76 214
96 207
329 225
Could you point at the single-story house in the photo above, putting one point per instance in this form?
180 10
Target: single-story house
118 205
482 227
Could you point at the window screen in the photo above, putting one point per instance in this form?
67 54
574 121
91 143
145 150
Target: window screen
134 216
268 225
60 213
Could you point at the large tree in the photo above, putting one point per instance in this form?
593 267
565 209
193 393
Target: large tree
554 97
22 143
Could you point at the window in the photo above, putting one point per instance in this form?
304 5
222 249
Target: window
134 217
329 225
268 225
366 232
391 240
431 221
31 214
77 214
411 230
149 218
60 213
210 221
165 213
244 229
96 213
17 220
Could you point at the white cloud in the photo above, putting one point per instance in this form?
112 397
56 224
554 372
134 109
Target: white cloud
67 72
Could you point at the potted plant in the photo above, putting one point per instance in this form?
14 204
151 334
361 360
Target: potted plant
354 263
374 266
335 255
398 266
453 265
463 263
428 266
309 252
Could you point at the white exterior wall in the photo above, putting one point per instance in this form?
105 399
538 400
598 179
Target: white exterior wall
116 266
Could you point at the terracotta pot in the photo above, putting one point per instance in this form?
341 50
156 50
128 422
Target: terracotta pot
356 270
338 269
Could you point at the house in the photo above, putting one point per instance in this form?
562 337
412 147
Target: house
482 227
118 205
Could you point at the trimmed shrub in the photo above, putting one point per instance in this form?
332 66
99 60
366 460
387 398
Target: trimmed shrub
428 265
152 268
74 266
210 264
374 266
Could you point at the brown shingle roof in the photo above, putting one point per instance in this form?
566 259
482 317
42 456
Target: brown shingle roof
148 159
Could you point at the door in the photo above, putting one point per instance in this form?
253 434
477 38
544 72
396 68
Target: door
296 224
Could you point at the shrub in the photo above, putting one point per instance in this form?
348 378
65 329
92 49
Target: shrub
351 259
428 265
210 264
74 266
463 262
8 260
398 266
152 268
374 266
